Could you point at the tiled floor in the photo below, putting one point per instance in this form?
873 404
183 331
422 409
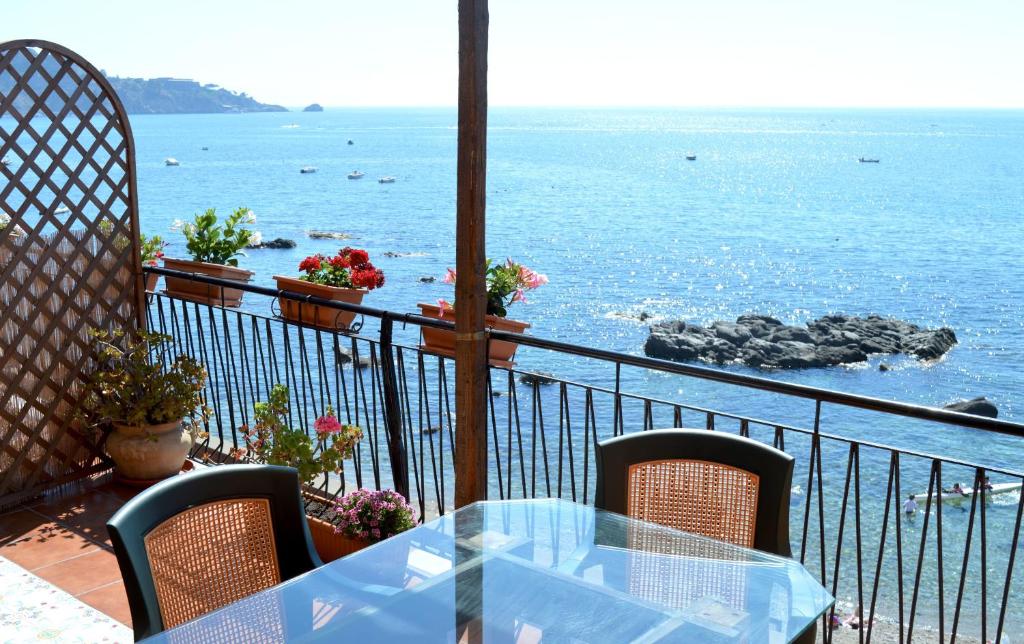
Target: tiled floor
64 541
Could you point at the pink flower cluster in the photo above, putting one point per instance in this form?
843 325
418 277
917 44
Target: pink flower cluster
373 514
506 284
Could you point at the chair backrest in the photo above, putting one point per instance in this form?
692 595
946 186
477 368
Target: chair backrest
202 540
705 482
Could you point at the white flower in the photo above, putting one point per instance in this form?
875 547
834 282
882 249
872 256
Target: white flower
256 238
188 229
250 217
177 225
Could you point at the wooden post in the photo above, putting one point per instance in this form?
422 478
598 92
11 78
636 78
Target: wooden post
470 258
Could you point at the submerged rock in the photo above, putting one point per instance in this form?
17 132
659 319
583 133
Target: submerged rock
538 377
980 406
765 342
428 279
326 234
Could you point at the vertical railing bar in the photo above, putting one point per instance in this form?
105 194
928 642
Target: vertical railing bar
494 434
840 534
568 442
978 481
1009 569
881 540
934 493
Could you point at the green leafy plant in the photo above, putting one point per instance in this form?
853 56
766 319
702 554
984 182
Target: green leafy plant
151 249
218 243
506 284
133 385
373 514
272 441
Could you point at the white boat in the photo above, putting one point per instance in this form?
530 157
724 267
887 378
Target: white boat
5 161
386 180
307 169
355 174
867 160
956 497
61 210
171 161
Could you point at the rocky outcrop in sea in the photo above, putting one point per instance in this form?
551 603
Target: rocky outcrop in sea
764 342
980 406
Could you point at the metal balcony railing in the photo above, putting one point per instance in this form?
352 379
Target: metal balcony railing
949 568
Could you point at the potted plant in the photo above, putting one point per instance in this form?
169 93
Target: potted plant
506 284
273 441
214 248
154 409
346 277
152 250
365 517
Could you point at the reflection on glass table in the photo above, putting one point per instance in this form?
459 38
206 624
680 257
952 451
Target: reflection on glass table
531 571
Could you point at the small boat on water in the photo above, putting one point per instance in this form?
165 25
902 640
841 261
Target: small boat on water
691 157
205 148
350 142
307 169
386 180
171 161
355 174
867 160
957 497
5 161
61 210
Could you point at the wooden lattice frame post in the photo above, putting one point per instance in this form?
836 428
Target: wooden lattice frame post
69 256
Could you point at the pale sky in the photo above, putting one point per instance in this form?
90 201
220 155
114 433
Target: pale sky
814 53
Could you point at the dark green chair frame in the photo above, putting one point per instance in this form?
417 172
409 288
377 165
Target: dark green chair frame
774 469
130 525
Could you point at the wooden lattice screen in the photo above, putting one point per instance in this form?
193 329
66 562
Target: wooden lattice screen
69 256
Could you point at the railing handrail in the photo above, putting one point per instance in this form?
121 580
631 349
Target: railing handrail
858 401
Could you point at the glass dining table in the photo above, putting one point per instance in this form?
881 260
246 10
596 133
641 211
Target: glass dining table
530 571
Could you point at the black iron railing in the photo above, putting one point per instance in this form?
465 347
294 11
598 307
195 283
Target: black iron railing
948 568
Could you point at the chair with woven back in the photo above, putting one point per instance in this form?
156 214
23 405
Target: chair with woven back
199 541
710 483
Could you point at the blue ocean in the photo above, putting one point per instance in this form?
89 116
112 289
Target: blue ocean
775 216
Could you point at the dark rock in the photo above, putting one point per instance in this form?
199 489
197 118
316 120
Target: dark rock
538 377
765 342
884 367
326 234
980 406
344 356
428 279
315 107
279 243
644 316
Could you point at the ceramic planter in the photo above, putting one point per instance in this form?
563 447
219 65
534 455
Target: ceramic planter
151 281
206 293
313 315
148 453
442 341
329 545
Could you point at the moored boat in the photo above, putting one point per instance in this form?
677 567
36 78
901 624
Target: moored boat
171 161
355 174
867 160
948 496
307 169
386 180
691 157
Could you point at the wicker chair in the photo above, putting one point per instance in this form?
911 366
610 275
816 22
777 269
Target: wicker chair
727 487
196 542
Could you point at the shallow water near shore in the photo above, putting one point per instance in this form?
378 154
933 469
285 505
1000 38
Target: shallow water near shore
775 216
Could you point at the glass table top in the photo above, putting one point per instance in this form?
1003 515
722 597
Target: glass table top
531 571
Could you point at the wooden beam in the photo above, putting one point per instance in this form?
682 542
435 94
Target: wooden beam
470 258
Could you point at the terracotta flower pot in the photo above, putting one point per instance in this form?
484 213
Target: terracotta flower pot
330 545
148 453
318 316
206 293
442 341
152 279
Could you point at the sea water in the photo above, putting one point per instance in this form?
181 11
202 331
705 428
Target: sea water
775 216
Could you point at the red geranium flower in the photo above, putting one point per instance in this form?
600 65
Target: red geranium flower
311 263
358 257
339 262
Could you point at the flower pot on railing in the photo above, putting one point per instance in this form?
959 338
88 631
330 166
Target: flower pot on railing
202 292
152 279
322 317
442 341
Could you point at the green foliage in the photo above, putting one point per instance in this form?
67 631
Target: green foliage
215 243
132 385
270 440
151 249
